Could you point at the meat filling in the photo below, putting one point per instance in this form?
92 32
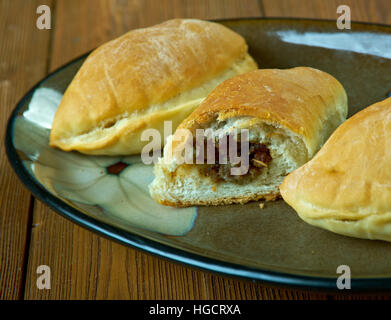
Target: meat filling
259 159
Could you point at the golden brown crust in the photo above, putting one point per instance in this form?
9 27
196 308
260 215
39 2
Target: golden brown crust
139 70
346 187
218 202
299 99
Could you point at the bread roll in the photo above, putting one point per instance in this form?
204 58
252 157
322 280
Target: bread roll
289 114
346 187
142 78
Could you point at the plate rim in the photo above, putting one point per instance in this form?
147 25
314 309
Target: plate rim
165 251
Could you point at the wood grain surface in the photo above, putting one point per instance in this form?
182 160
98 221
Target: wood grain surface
23 62
83 264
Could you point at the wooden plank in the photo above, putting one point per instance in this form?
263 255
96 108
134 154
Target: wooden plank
23 61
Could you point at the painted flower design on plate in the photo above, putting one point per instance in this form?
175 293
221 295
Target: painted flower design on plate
106 188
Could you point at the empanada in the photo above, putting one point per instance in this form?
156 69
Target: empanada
142 78
346 187
289 114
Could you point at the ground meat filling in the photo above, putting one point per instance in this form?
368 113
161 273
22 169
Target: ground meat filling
259 159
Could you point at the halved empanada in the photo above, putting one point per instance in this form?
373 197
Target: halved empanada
289 114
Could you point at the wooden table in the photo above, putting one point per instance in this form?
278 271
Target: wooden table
83 264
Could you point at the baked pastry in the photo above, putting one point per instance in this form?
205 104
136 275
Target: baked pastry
289 114
346 187
142 78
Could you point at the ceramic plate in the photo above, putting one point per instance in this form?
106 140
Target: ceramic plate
109 194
